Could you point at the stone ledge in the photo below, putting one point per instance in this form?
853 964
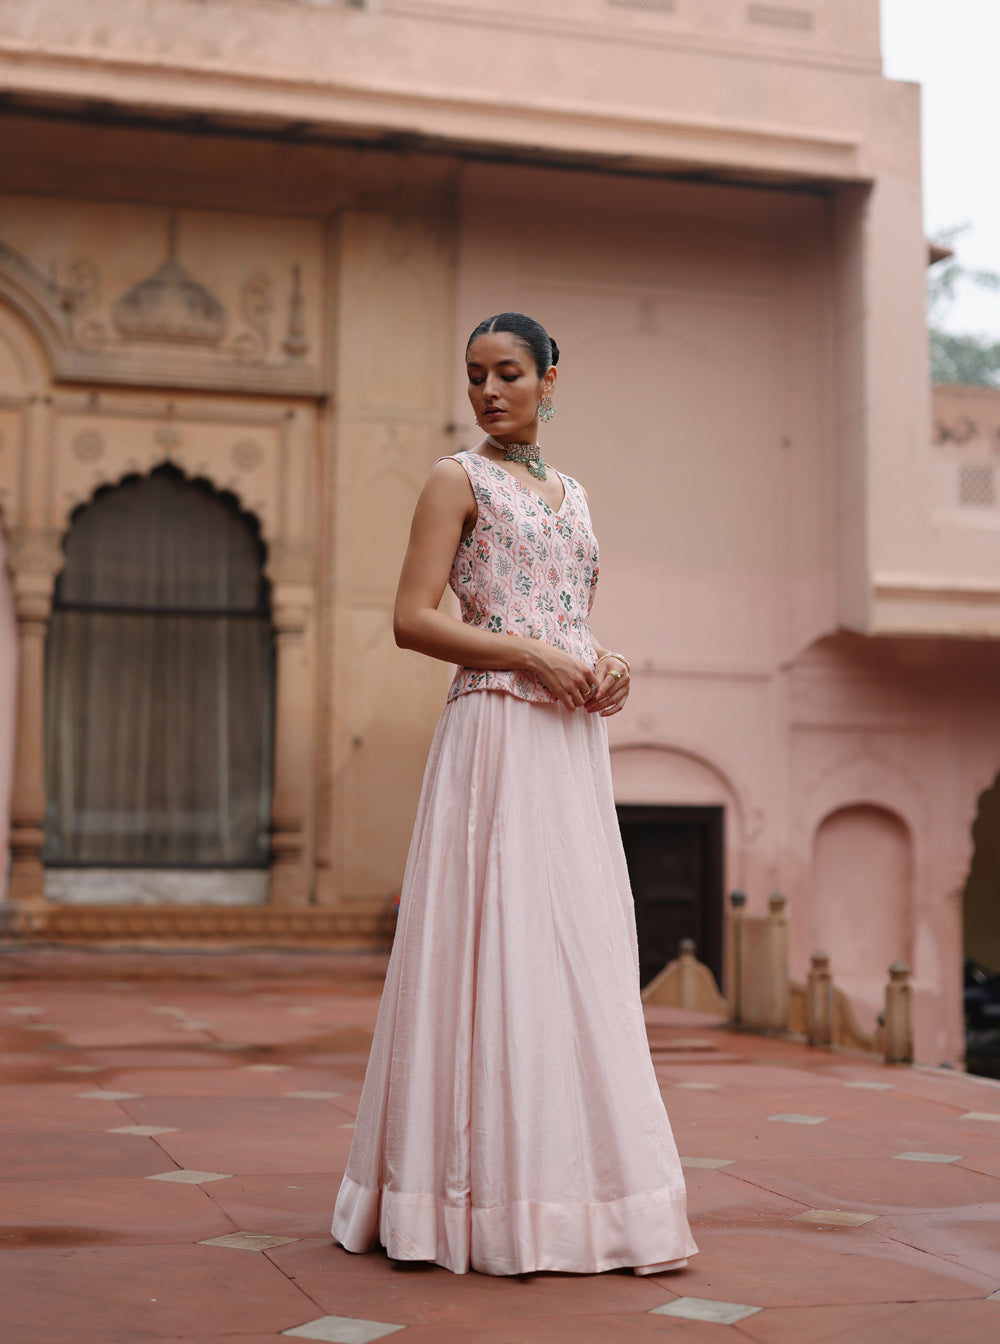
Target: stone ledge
347 926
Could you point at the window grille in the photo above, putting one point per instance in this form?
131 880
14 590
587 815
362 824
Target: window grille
977 485
650 6
779 16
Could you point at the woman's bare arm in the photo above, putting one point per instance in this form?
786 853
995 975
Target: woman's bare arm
444 509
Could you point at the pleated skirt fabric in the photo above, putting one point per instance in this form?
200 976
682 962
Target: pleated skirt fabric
510 1119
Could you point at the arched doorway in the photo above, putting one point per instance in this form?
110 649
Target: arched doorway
981 939
159 689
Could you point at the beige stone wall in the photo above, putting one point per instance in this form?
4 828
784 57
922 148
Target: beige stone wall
314 392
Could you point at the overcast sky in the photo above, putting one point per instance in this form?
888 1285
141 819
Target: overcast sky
952 48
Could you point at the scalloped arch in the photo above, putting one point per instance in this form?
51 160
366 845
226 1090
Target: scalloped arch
227 495
156 459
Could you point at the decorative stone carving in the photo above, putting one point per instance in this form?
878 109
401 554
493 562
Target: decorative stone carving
295 344
167 437
84 345
290 562
170 306
247 454
88 446
84 288
958 432
35 550
257 304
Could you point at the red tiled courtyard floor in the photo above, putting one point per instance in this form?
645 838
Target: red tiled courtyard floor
173 1128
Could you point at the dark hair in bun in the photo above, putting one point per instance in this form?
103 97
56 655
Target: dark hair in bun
530 333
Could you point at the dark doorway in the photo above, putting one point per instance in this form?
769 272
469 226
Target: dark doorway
674 859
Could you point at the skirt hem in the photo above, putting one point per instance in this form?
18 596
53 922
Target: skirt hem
646 1232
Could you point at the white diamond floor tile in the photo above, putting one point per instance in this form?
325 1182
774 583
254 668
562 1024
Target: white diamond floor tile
108 1096
343 1330
185 1177
994 1297
791 1119
834 1218
926 1157
314 1096
698 1087
707 1163
981 1115
872 1087
23 1012
704 1309
248 1241
143 1131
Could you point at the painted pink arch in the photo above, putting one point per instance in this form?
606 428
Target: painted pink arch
670 774
862 900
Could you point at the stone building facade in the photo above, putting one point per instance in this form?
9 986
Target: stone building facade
241 243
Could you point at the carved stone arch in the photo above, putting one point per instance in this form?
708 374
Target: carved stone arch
72 509
146 459
43 306
25 366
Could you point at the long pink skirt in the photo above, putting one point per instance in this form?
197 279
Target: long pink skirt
510 1119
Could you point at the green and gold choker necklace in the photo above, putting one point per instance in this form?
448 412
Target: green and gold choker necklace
528 453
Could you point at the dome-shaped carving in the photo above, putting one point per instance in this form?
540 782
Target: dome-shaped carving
170 306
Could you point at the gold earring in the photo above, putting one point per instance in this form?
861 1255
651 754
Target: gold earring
546 409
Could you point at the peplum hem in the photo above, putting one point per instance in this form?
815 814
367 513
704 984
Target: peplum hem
647 1232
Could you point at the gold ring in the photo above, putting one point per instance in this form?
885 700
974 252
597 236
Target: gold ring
593 688
617 676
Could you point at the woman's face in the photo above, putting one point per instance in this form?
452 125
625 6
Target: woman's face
504 386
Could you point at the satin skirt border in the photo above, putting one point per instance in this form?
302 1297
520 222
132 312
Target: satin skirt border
522 1238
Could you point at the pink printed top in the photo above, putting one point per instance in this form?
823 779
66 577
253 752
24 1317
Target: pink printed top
525 570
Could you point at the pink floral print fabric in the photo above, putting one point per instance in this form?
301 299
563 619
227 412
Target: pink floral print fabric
524 570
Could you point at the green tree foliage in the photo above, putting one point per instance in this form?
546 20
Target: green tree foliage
958 359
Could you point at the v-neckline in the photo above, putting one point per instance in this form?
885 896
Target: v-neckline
527 488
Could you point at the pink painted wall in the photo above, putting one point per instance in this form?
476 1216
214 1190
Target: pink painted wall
700 404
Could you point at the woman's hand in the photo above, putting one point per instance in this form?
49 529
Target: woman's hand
572 682
611 677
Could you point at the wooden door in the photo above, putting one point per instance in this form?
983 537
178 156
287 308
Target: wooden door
674 859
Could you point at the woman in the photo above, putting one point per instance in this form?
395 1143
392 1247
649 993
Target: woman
510 1119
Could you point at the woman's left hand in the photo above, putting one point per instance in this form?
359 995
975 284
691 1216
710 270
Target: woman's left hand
611 678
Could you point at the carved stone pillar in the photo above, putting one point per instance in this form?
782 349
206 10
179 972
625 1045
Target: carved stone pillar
290 609
34 559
